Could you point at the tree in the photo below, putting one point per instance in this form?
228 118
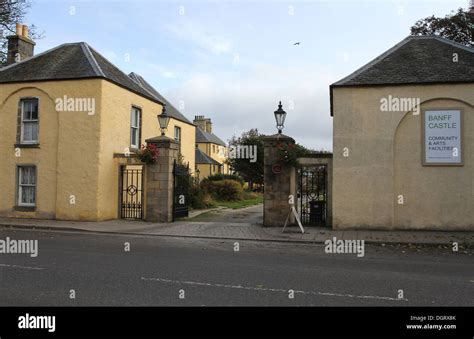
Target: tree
239 159
11 13
457 26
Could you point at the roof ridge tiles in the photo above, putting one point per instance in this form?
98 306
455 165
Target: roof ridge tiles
94 64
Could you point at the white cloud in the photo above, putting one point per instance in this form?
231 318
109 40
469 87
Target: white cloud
237 101
163 71
111 56
197 35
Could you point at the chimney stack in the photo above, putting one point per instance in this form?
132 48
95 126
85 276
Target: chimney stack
20 46
204 123
208 126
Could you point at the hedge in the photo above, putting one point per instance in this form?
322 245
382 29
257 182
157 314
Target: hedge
226 189
220 176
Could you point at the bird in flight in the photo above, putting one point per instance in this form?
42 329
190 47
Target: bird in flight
296 43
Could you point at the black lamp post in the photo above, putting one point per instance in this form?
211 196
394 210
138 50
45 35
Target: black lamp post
280 116
163 120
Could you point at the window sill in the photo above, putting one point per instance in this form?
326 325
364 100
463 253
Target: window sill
132 154
27 145
25 208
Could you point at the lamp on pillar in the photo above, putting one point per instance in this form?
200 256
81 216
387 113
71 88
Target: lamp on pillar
163 120
280 116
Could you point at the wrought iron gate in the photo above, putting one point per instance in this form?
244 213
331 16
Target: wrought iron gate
180 190
312 194
131 197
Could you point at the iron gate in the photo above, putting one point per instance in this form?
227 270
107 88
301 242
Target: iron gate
131 197
312 194
181 182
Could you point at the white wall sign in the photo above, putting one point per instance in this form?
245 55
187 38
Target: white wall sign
442 137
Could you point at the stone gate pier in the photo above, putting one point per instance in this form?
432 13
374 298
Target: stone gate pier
159 181
280 182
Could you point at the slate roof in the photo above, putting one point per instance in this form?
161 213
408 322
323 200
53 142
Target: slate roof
203 136
70 61
170 109
203 158
415 60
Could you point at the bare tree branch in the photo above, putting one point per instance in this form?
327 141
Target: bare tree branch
11 13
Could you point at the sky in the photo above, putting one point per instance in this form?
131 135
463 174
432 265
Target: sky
233 61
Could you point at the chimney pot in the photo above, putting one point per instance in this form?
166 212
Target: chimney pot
25 31
19 29
20 46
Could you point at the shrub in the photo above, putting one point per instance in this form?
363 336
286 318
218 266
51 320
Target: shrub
208 201
250 195
197 197
220 176
229 190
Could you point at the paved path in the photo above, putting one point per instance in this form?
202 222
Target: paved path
249 215
237 228
212 273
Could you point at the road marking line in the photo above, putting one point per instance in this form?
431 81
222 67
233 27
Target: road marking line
24 267
272 289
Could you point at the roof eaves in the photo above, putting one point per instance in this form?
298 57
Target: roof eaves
391 84
144 84
137 78
140 82
151 98
207 158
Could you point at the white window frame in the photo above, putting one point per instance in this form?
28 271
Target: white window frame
20 185
177 136
22 122
135 128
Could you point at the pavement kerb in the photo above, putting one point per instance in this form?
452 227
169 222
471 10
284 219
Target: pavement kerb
72 229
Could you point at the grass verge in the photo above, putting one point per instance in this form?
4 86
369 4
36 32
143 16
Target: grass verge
240 203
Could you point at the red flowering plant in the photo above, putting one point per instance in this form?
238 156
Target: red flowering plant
149 153
288 153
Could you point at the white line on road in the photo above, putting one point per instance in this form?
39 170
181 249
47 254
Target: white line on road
272 289
24 267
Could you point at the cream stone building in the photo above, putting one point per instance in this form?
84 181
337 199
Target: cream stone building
211 151
71 124
404 139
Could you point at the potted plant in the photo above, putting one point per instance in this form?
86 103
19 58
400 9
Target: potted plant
149 153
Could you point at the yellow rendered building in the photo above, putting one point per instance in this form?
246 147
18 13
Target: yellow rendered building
71 122
211 151
393 168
